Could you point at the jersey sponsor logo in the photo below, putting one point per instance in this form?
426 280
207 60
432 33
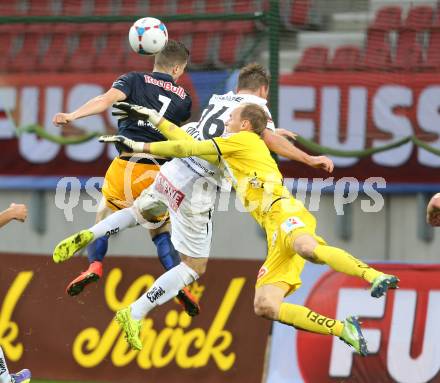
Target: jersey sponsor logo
142 124
167 85
190 160
292 223
112 232
321 320
263 271
2 366
228 97
165 187
194 132
155 293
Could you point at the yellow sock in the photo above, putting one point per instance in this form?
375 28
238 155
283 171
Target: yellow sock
340 260
303 318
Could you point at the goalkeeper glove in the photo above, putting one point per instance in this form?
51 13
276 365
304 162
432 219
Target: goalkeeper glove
135 112
130 145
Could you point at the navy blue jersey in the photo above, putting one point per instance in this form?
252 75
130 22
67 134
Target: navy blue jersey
155 91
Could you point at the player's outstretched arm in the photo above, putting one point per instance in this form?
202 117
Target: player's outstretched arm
183 148
15 211
283 147
167 128
286 133
94 106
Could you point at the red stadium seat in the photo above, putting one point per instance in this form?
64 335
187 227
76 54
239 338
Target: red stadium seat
432 62
346 58
377 37
86 51
103 7
376 58
215 6
73 7
40 8
111 57
26 59
313 59
137 62
131 7
407 37
436 21
388 18
206 32
232 41
243 6
263 5
159 8
178 29
10 8
419 18
409 56
54 59
186 7
299 12
7 39
118 28
201 40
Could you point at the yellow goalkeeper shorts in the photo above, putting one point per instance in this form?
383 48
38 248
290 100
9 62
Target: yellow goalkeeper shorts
125 180
286 220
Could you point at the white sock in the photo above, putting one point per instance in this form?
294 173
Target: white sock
163 289
114 223
4 373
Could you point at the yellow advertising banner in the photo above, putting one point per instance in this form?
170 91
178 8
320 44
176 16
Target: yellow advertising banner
77 338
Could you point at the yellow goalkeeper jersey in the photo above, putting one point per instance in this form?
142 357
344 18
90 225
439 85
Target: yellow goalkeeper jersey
246 161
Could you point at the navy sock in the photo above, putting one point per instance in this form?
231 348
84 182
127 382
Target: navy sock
168 256
97 250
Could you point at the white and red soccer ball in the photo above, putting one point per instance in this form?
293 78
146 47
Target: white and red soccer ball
148 36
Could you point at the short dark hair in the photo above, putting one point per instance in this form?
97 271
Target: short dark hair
252 77
174 53
256 115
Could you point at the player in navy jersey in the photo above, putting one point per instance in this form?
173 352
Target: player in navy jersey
157 90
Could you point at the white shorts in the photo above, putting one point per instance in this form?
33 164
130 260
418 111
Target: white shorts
191 232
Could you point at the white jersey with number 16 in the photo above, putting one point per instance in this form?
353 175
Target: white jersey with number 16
197 179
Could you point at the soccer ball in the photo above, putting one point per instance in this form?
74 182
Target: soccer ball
148 36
